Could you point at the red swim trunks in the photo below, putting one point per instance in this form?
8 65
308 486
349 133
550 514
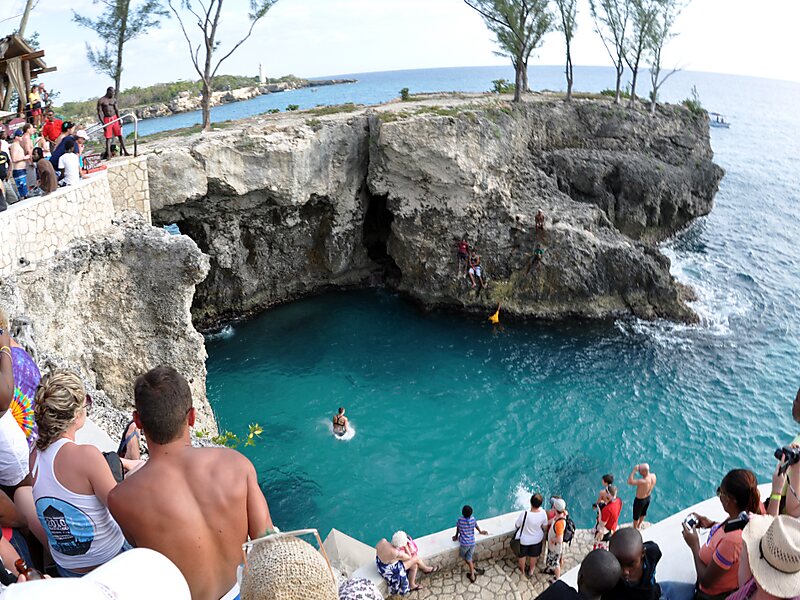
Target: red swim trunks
112 130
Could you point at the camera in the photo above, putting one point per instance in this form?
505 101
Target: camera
790 456
691 522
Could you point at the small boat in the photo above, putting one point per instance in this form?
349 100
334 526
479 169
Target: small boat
718 120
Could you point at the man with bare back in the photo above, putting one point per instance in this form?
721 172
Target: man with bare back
108 111
197 506
644 487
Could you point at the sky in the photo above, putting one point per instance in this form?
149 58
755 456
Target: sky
312 38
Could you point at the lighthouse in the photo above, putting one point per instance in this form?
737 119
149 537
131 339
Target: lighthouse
261 79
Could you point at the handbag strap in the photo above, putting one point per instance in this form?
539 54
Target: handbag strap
519 531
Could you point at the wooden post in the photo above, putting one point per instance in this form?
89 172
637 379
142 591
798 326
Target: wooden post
26 76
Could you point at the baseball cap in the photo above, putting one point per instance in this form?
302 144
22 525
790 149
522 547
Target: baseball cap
81 133
559 504
17 133
132 575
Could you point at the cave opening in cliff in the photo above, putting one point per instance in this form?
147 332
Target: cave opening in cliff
377 230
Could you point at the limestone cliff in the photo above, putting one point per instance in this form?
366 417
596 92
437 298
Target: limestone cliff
114 305
292 205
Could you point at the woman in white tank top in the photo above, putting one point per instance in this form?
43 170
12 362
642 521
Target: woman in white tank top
71 481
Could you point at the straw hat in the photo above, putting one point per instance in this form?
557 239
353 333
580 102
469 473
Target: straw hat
773 549
283 567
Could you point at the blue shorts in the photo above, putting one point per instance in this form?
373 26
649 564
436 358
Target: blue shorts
466 552
21 179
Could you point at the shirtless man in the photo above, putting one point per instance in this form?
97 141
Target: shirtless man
644 487
197 506
475 270
107 111
339 423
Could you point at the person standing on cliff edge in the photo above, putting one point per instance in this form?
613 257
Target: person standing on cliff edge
196 506
107 111
644 487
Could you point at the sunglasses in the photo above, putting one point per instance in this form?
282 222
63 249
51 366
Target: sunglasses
88 404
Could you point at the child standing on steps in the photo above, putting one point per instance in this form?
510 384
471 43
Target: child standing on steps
465 536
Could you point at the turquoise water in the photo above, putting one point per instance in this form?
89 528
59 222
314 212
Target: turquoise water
448 410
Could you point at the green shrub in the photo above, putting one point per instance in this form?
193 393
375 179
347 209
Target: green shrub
273 111
231 440
313 123
405 96
334 109
693 104
503 86
293 107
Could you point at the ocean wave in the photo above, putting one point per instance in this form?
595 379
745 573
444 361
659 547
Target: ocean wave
225 333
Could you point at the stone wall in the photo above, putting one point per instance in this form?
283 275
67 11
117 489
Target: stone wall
129 185
34 230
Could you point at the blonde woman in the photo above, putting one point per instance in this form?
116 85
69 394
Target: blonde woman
71 481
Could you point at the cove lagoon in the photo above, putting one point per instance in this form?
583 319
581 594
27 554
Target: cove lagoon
449 410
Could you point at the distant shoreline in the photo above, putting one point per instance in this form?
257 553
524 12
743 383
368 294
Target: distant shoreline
185 102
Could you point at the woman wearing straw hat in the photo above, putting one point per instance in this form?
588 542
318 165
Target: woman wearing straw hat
770 565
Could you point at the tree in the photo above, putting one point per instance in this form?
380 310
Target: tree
567 11
661 32
208 16
116 26
611 22
642 17
519 26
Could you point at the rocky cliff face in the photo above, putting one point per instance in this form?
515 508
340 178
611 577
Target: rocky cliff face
114 305
292 205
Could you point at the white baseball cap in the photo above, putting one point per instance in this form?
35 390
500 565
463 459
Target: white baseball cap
81 133
135 574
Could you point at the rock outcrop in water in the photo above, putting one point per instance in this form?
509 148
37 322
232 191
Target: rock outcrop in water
287 206
114 305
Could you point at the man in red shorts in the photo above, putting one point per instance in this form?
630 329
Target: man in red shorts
107 111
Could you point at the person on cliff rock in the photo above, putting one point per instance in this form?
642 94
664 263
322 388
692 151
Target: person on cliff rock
475 270
598 574
638 560
645 485
340 423
107 111
462 250
539 221
465 536
607 518
197 506
782 499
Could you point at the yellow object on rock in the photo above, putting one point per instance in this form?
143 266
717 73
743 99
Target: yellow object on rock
495 318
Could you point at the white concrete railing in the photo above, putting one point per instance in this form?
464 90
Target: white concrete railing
439 549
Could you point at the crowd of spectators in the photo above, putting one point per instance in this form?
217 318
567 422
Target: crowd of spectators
27 146
67 509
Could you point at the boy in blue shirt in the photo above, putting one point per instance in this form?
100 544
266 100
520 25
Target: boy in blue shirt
465 536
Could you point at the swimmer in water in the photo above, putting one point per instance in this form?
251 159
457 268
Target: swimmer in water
339 423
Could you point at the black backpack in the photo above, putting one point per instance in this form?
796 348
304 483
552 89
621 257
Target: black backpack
4 159
569 528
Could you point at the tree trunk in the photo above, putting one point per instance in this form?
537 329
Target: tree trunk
618 94
654 101
569 75
518 82
635 74
206 106
123 26
525 87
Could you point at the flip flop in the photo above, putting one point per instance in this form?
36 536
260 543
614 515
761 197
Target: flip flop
471 577
415 588
479 571
433 570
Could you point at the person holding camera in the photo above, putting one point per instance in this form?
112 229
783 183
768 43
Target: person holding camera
717 561
784 497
